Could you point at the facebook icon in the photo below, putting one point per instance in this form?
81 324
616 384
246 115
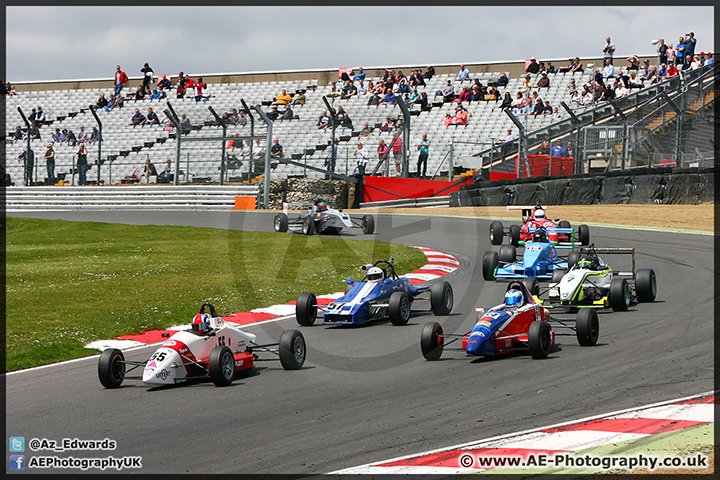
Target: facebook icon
17 462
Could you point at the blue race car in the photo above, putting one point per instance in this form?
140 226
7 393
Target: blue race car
539 261
380 294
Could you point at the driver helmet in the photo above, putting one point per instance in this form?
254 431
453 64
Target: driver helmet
201 323
539 213
540 236
513 298
375 273
321 206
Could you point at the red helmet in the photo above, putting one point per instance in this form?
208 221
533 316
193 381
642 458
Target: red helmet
201 323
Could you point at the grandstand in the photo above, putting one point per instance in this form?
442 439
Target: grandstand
125 148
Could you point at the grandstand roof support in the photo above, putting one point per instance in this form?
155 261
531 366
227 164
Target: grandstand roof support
100 137
406 134
577 125
522 154
170 113
224 138
266 192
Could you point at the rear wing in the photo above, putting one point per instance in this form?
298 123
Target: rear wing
611 251
527 210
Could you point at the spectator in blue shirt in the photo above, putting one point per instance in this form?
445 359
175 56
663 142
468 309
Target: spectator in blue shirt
463 74
359 76
559 149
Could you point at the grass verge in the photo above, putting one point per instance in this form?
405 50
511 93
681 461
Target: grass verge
69 283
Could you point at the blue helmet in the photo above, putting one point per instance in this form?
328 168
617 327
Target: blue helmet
513 298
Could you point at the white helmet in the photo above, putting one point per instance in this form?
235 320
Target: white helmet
375 273
539 213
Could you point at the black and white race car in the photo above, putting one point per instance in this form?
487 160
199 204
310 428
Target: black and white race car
320 218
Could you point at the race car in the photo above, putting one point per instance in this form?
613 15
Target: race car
520 324
533 218
540 260
210 348
379 295
591 283
321 219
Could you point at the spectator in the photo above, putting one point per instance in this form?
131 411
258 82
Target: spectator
82 165
559 149
673 71
527 83
449 121
28 159
185 124
509 138
199 86
662 51
149 170
383 154
152 117
569 66
634 82
360 76
424 102
543 149
140 93
519 104
57 136
634 62
570 150
429 73
608 70
283 99
50 164
620 90
300 99
414 98
147 76
34 132
578 66
361 156
397 149
418 80
587 97
608 51
138 118
348 90
544 81
33 115
464 96
366 130
387 126
18 135
71 138
164 82
599 77
687 63
120 80
670 55
709 60
461 116
389 98
331 157
600 92
235 117
166 176
40 117
662 72
448 92
502 81
288 113
115 102
690 44
680 51
539 109
345 121
533 66
362 89
100 103
424 147
276 152
94 136
334 90
156 94
273 114
374 100
348 76
324 121
463 74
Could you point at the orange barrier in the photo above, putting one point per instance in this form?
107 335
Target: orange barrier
244 203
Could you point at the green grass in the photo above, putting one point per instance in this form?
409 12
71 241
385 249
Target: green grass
69 283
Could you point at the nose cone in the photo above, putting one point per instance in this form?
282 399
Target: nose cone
159 370
479 335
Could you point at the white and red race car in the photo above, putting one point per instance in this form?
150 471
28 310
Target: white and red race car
534 217
211 348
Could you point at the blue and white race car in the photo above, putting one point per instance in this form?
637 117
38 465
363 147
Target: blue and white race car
539 261
379 295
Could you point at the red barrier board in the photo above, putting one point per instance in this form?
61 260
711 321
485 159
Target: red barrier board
378 189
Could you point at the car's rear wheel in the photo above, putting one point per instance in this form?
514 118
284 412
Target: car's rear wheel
308 226
508 254
646 285
587 327
557 275
496 233
306 309
539 340
292 350
111 368
584 234
221 366
441 298
515 235
281 222
532 285
368 224
431 341
619 295
573 258
490 261
399 310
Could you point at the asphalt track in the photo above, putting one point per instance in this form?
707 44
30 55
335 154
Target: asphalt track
365 394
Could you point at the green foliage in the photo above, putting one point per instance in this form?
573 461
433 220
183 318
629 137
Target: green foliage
70 283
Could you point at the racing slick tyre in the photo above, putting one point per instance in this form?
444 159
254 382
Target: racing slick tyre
573 258
587 327
306 309
564 224
431 341
111 369
292 350
308 226
515 235
508 254
532 285
645 285
539 340
490 261
221 366
619 296
368 224
557 275
441 298
281 222
496 233
399 310
584 235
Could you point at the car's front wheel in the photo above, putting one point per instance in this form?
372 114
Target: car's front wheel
539 340
221 366
281 222
399 309
431 341
368 224
306 309
308 226
292 350
587 327
441 298
111 368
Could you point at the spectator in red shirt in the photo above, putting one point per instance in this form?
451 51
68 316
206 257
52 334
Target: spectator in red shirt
120 80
